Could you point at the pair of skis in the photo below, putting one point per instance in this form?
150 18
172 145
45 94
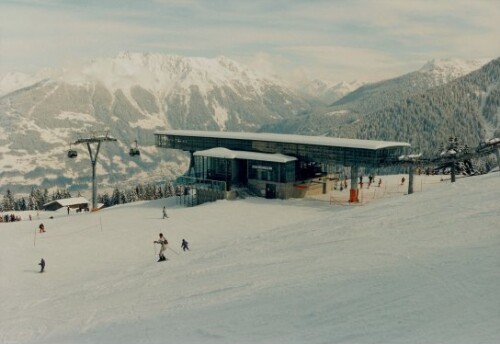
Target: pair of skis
168 247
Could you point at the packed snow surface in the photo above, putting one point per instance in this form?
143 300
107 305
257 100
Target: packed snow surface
420 268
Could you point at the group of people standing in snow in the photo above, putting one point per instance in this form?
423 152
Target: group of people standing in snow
10 218
343 184
371 180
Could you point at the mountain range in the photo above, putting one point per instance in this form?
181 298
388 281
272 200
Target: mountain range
129 97
325 91
134 94
423 108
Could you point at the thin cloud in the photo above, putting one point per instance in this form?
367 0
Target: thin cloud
361 39
338 63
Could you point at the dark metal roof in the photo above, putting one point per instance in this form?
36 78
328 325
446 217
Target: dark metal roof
288 138
330 150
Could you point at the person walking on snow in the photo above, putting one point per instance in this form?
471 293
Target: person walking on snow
165 213
42 265
163 242
184 245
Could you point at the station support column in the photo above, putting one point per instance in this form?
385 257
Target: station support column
191 164
497 153
411 173
453 171
354 191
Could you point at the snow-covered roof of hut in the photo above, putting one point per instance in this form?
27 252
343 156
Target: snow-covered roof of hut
232 154
289 138
65 202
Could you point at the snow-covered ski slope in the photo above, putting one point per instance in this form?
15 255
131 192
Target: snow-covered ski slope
423 268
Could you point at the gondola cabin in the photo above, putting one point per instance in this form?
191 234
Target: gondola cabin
72 154
134 152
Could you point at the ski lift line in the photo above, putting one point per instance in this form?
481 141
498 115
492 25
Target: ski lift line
95 139
484 149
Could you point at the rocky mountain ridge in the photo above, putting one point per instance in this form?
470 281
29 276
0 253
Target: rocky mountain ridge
133 95
130 97
467 107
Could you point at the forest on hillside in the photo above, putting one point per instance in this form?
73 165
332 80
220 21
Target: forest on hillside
37 197
467 108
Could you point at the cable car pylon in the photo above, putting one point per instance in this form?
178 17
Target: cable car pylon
93 158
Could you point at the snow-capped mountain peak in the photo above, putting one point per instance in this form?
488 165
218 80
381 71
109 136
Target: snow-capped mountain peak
445 70
134 94
329 91
159 72
15 80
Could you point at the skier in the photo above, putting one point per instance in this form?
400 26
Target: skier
163 242
41 228
184 245
403 180
165 213
42 265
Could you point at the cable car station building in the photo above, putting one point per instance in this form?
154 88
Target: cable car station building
276 165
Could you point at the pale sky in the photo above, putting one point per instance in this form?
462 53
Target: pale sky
336 40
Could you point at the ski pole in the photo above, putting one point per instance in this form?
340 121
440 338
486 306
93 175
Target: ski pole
172 250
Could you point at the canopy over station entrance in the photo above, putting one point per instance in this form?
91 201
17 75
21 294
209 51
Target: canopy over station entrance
276 165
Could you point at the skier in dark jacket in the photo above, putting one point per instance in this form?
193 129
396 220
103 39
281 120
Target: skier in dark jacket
184 245
42 264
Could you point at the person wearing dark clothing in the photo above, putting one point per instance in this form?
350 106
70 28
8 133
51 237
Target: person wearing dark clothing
184 245
42 265
41 228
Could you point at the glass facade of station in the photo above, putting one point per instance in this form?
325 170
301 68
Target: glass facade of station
271 171
239 171
347 156
251 160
